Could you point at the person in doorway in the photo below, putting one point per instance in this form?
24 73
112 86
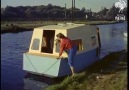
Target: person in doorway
67 45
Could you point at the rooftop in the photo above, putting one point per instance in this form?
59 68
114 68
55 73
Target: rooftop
60 26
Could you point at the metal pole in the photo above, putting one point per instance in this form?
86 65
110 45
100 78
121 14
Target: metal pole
72 10
65 10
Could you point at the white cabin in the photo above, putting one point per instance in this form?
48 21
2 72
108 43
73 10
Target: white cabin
84 35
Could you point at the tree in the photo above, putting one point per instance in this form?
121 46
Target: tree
112 12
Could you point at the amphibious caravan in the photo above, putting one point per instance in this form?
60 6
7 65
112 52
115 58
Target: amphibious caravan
41 58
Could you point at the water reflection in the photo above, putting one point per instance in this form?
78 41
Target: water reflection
37 82
31 83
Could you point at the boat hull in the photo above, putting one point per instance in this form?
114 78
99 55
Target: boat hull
52 67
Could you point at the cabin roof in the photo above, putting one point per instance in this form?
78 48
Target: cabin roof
63 26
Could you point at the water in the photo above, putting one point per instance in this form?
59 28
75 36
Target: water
12 48
14 45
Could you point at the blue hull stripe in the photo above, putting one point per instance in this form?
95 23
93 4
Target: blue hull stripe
81 61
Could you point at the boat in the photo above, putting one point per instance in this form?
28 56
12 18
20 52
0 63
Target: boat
41 58
125 34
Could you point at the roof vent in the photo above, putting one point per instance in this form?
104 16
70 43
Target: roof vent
66 24
70 23
61 24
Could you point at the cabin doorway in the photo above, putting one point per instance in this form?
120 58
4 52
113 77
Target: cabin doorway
48 41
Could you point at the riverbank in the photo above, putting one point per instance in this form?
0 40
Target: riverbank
108 74
20 26
15 29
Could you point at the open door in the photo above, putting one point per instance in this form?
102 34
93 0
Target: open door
48 41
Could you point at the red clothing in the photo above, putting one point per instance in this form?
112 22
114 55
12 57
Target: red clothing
65 44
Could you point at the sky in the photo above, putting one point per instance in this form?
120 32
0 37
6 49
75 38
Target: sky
95 5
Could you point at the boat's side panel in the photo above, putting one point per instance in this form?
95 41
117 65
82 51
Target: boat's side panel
41 65
81 61
84 33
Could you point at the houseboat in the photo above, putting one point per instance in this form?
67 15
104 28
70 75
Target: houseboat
41 58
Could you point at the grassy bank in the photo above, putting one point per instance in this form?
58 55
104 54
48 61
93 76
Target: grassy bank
33 24
108 74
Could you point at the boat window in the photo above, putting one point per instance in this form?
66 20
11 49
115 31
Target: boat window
48 41
78 42
35 44
93 40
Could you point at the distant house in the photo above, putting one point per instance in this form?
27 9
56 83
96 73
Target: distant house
120 17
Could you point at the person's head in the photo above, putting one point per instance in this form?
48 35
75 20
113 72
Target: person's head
60 35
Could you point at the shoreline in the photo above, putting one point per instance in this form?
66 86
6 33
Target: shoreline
12 27
15 30
111 69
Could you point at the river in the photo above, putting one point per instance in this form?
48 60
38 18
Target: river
13 45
